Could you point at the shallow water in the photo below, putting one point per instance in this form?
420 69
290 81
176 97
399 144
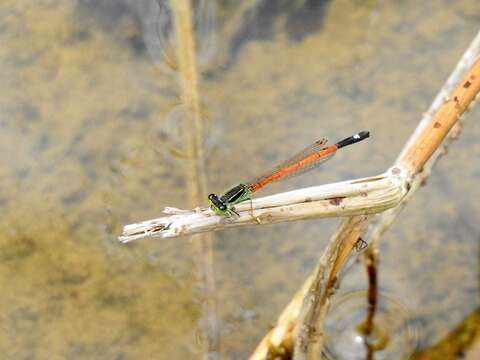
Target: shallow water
83 109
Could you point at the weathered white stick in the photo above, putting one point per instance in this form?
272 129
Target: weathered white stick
354 197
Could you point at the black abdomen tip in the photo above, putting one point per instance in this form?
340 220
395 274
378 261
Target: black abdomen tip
362 135
353 139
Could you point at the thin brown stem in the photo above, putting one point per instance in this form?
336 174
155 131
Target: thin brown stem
367 327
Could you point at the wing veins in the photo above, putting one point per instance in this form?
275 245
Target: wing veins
309 150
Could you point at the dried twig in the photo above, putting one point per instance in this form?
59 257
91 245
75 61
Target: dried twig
354 197
388 217
309 339
446 116
417 153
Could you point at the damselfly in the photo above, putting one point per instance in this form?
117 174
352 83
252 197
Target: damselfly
307 159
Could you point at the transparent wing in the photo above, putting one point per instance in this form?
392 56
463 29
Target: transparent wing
286 170
307 168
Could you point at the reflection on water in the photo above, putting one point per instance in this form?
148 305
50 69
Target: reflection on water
159 35
81 103
393 335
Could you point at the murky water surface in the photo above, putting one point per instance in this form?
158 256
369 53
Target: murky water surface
83 150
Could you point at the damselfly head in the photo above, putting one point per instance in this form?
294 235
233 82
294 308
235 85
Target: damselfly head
217 205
